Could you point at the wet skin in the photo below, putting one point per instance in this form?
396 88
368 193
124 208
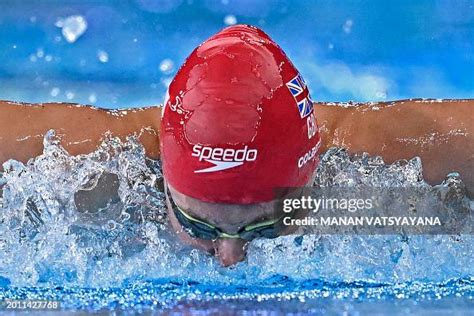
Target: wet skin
440 133
229 218
81 128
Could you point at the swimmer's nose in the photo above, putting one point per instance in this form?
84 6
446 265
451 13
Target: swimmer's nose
230 251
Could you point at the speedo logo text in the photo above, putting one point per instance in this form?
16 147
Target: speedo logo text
223 158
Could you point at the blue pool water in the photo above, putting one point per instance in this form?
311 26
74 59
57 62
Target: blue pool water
54 245
123 54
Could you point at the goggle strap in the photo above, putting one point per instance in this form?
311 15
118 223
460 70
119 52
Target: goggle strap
189 217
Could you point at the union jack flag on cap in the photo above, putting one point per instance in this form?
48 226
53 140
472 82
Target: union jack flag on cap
300 92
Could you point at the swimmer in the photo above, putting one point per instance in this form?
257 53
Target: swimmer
238 122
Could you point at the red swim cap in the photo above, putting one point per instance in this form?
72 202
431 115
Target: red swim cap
238 121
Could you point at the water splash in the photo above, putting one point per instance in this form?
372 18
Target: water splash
98 221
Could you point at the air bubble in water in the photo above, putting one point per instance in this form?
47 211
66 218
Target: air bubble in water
72 27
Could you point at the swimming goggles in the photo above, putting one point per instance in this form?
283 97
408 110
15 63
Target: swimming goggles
198 228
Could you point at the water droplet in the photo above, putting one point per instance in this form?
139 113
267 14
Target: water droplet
103 56
48 58
92 98
347 27
69 95
55 91
166 66
39 53
111 225
230 19
381 94
72 27
166 81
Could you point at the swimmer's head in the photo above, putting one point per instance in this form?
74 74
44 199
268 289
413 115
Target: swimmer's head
237 125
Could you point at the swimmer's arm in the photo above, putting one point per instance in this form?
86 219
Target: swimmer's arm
441 133
81 128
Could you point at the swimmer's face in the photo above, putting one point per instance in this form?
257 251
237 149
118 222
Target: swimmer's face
227 218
